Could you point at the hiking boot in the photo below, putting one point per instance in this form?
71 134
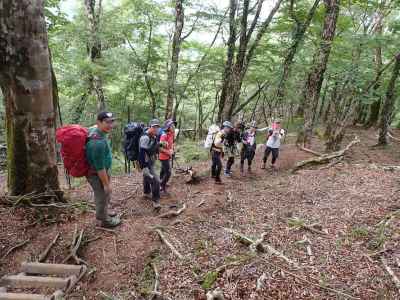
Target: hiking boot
218 180
227 173
249 169
111 222
112 213
263 166
147 196
156 205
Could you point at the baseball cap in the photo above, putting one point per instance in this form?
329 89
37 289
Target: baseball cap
105 115
154 123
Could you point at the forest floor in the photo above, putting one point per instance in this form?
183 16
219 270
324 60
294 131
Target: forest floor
355 204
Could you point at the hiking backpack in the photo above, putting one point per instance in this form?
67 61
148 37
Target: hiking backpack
212 131
132 133
73 139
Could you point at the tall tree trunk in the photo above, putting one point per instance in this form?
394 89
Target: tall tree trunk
375 106
315 77
388 104
27 86
176 49
298 36
93 13
229 59
236 71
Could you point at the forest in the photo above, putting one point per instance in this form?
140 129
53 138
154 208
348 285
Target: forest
321 223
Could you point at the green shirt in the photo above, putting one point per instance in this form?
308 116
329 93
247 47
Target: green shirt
98 150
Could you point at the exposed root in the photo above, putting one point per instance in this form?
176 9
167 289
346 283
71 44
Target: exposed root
14 248
395 279
45 253
168 244
171 214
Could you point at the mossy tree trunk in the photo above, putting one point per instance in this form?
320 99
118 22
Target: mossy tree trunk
27 85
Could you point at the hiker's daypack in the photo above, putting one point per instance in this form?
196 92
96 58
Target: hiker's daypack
73 139
132 133
212 131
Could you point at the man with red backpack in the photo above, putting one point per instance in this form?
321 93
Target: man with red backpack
99 157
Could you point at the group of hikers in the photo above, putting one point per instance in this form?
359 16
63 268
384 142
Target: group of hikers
146 145
237 140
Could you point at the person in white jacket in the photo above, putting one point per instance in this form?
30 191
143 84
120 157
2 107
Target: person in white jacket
273 144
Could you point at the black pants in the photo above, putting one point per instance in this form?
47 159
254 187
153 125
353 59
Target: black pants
165 173
229 163
216 166
151 183
275 154
247 154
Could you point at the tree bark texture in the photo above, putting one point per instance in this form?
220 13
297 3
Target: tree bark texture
298 36
386 115
27 84
93 13
315 77
176 49
236 67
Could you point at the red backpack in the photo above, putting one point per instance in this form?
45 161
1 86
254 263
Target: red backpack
73 140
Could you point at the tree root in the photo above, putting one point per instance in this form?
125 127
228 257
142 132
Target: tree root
45 253
325 158
14 248
168 244
76 243
171 214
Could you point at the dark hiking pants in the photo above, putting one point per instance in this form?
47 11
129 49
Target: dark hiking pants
165 173
151 183
216 166
275 154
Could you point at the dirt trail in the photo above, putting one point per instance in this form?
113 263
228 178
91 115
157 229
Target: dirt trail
347 201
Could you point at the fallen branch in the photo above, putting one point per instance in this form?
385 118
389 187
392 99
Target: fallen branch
155 293
74 247
172 213
14 248
191 176
333 163
261 282
325 158
308 281
309 150
169 245
43 256
259 245
395 279
201 203
217 294
300 224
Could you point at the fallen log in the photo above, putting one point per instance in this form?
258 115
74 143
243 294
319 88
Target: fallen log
172 213
309 150
325 158
76 243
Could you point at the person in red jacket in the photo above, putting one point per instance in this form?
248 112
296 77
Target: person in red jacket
166 152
